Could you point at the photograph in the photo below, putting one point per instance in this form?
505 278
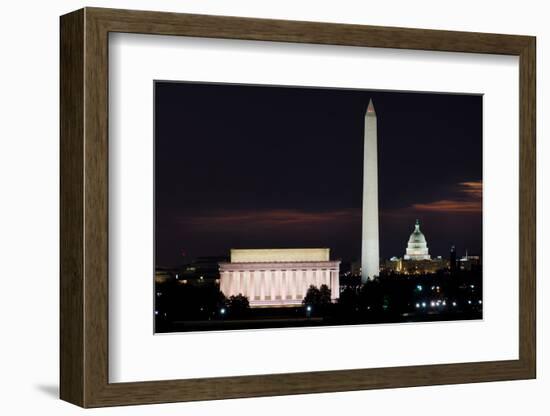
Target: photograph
279 206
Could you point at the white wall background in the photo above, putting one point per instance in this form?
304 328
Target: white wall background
29 185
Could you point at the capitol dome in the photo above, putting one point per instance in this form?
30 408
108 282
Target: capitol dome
417 248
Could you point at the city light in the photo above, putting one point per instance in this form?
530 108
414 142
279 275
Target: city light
479 302
418 305
423 304
454 303
222 311
419 288
308 308
469 302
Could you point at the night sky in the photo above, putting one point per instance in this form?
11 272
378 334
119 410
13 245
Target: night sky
240 166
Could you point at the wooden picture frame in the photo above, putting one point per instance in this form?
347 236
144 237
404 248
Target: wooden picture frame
84 207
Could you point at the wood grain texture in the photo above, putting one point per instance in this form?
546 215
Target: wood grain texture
71 100
84 207
527 208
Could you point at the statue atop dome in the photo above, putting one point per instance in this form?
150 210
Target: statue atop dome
417 248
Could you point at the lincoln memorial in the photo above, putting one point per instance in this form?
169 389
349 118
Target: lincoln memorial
278 277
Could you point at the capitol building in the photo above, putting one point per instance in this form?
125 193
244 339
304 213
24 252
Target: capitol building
417 259
417 248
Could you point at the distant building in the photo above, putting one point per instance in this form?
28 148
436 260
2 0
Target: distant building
207 266
355 268
452 260
410 267
278 277
417 259
469 262
163 275
417 248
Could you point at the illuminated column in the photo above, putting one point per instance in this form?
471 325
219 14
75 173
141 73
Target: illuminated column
242 282
370 258
249 282
238 280
272 284
262 285
334 285
229 284
307 281
255 290
281 283
235 282
275 281
255 284
302 282
223 282
267 284
315 277
246 283
301 277
284 284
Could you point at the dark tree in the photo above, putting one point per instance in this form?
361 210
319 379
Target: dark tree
324 295
238 305
313 296
221 300
371 296
348 302
318 299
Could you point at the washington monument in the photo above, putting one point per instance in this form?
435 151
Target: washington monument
370 253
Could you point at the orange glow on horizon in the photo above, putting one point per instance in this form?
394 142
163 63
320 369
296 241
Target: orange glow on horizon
274 218
470 202
446 205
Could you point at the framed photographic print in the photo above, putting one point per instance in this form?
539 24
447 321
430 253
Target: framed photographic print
259 207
